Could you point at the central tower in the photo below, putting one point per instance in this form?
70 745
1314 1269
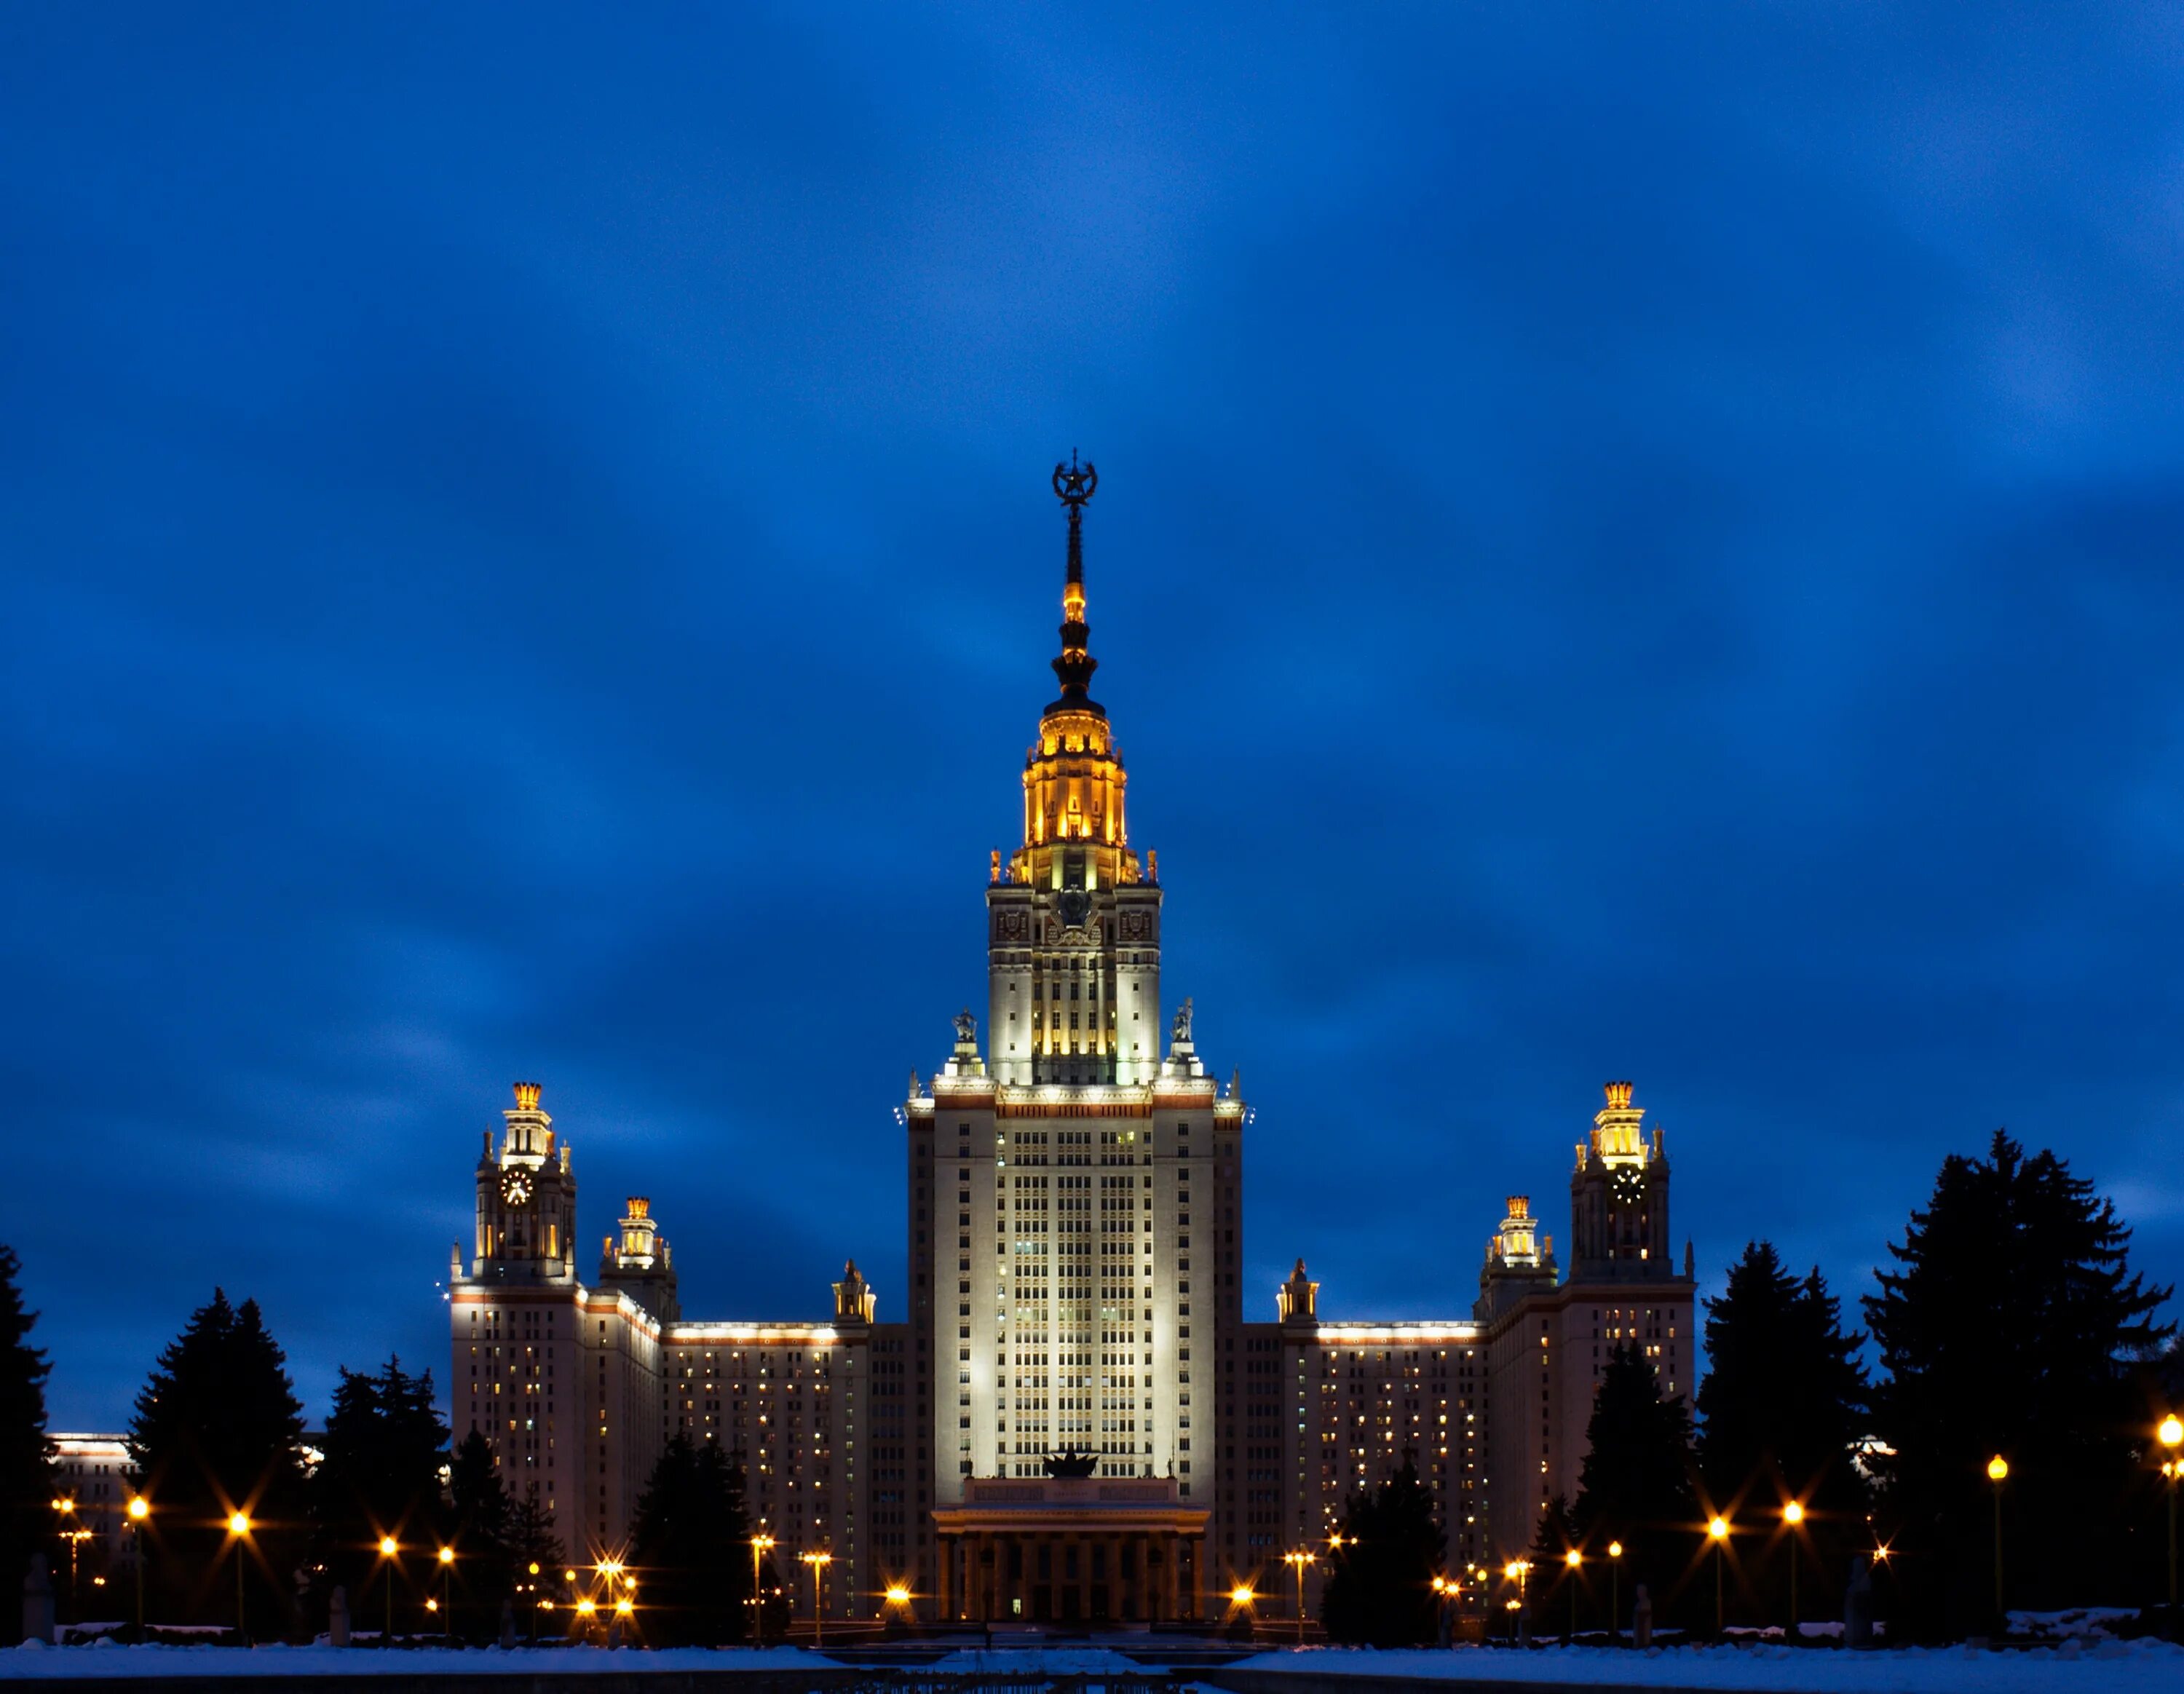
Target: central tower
1072 918
1075 1183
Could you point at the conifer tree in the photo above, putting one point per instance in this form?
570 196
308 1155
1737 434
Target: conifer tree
26 1454
483 1535
1784 1401
217 1429
690 1543
1381 1591
2012 1324
1547 1585
1635 1485
380 1475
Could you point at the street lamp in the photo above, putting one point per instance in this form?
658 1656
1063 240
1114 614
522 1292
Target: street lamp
818 1561
1998 1473
1297 1561
1614 1591
1717 1532
388 1546
1573 1560
761 1546
447 1595
1793 1514
238 1527
1519 1571
897 1596
2171 1431
140 1508
65 1508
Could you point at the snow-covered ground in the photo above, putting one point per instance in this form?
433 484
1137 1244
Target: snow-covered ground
38 1663
1014 1663
2112 1666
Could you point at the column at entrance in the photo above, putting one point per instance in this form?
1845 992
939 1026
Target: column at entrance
1170 1546
943 1550
1198 1576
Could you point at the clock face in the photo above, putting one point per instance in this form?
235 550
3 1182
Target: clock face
1628 1186
515 1187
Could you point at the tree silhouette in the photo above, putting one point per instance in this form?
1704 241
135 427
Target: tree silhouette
26 1454
379 1476
1381 1592
1784 1401
217 1429
482 1536
1635 1485
690 1547
2014 1325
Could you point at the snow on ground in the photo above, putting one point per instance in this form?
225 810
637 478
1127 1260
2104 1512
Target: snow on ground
1026 1662
2113 1667
36 1663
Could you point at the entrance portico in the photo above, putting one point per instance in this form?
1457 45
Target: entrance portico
1067 1549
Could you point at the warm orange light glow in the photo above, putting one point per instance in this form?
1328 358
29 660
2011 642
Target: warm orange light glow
1794 1513
1572 1559
817 1558
64 1506
1615 1550
432 1605
388 1549
1718 1528
898 1594
447 1555
1241 1595
140 1508
1881 1553
763 1543
238 1523
1298 1560
2171 1430
534 1566
623 1607
1998 1467
587 1607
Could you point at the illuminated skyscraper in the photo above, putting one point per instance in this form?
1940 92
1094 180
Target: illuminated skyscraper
1075 1421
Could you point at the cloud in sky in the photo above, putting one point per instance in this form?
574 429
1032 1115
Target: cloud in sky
1629 544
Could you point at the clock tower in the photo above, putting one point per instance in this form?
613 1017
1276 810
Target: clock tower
527 1200
1619 1198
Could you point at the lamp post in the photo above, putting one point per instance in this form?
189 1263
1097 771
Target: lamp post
1717 1532
2171 1431
64 1511
448 1595
536 1602
1998 1473
1614 1592
818 1561
1297 1561
1793 1514
140 1508
1519 1571
387 1548
1572 1560
761 1546
238 1529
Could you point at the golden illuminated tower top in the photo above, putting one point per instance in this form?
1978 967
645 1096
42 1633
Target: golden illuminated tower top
1073 777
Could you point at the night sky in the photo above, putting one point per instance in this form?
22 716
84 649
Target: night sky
1631 543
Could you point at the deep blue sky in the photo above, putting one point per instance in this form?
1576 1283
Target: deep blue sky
1632 542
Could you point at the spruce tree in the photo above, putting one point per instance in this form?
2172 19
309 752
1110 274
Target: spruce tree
1381 1591
2014 1324
1548 1583
380 1475
689 1546
483 1536
26 1454
1784 1401
217 1429
1635 1485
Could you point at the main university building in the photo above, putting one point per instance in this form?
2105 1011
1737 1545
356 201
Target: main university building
1086 1413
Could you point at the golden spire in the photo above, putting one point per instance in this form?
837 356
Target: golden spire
1074 487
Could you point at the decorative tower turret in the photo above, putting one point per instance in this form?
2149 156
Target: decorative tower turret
1073 920
1519 1260
1619 1198
526 1199
641 1263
